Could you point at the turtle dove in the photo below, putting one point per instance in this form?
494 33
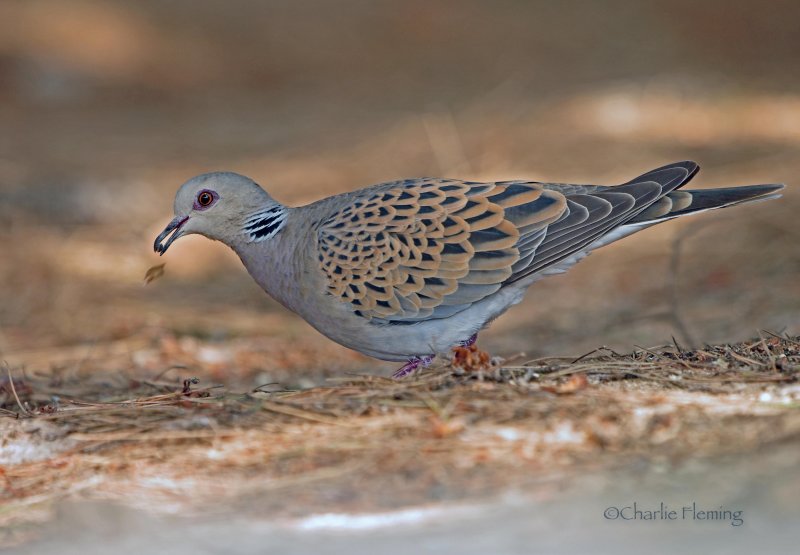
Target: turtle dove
404 270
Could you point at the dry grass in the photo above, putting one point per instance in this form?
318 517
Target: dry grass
368 442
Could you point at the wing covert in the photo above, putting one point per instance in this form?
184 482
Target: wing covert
429 248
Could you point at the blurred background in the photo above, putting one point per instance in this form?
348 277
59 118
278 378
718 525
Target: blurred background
106 107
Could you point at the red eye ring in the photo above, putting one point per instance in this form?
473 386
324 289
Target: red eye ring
205 198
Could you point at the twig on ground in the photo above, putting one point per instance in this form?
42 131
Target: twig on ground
674 270
14 391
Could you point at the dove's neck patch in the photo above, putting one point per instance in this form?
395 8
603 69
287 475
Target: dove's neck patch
264 224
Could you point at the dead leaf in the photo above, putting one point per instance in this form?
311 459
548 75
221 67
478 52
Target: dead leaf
470 358
573 384
154 273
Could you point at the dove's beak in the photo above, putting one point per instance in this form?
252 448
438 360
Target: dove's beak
173 228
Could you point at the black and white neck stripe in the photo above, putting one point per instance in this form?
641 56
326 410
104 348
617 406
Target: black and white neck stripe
265 224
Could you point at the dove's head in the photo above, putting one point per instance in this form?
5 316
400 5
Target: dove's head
223 206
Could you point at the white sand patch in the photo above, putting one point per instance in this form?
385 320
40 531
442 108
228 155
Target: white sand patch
23 441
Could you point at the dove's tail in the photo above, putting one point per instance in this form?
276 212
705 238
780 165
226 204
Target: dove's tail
680 202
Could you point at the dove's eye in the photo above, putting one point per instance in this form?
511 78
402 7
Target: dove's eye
205 199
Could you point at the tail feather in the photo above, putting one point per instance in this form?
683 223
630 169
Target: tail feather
665 175
682 202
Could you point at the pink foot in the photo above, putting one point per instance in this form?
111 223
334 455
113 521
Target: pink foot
411 366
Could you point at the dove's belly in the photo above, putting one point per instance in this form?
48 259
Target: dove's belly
399 342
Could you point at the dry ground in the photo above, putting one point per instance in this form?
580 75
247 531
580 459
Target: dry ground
172 441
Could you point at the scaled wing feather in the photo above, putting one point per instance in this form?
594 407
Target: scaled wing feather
420 249
429 248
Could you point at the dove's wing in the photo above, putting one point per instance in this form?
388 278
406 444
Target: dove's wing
594 210
429 248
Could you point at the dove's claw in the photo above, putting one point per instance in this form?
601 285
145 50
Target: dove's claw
412 365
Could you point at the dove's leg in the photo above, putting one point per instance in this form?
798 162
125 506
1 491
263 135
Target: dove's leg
469 342
412 365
